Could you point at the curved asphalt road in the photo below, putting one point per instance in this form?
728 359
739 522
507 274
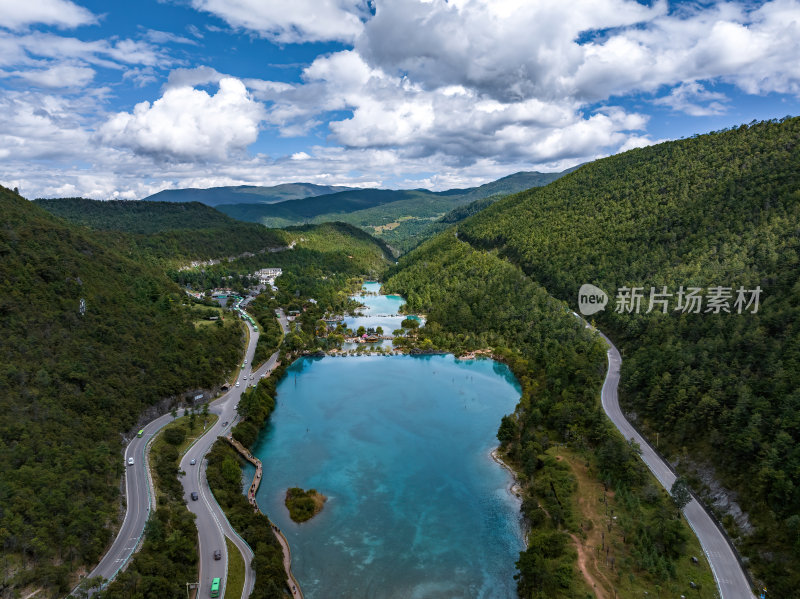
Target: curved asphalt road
731 580
212 525
138 496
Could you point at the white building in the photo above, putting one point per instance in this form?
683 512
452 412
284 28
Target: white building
267 276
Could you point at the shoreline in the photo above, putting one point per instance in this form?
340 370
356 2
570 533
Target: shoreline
515 490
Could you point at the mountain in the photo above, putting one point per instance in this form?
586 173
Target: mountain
168 230
245 194
143 218
403 218
73 380
330 206
511 184
718 390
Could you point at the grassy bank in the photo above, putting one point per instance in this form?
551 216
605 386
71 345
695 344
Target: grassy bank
235 584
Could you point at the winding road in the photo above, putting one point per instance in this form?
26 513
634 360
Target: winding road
212 525
731 580
138 497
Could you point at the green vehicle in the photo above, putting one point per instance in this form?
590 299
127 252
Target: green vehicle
140 433
215 587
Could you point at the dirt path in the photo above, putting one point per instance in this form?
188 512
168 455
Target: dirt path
583 560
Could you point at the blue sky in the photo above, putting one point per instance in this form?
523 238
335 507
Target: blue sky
120 100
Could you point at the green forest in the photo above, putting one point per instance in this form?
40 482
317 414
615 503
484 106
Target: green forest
168 557
402 218
169 232
72 381
720 389
475 299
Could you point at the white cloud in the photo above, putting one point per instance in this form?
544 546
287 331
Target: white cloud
587 50
200 75
694 99
106 53
36 126
58 76
187 124
429 93
454 123
166 37
292 21
16 14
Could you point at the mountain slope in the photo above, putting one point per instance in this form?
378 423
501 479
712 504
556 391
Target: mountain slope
169 230
403 218
245 194
136 217
720 391
71 383
330 205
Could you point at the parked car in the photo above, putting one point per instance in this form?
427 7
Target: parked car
195 495
218 554
130 461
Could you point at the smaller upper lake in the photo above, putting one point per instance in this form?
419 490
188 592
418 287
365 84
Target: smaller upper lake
378 311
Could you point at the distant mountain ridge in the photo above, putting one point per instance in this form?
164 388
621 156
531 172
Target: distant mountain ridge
245 194
401 217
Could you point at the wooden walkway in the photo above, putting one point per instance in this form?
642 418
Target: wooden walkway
251 497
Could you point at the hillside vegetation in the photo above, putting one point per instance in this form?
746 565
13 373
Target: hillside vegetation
71 383
245 194
403 218
475 299
322 256
721 390
168 231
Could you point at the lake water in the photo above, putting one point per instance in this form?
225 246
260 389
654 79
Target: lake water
378 311
400 446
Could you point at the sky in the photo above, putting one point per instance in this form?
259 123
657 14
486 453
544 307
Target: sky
119 100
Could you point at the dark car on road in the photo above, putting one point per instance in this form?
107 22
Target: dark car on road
218 554
194 495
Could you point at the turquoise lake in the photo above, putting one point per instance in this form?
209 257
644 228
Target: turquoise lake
378 311
400 446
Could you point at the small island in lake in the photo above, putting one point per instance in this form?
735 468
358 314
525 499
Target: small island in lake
304 505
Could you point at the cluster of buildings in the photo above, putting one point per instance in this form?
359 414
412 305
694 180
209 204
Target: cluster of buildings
267 276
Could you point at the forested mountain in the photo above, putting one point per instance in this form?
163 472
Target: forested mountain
328 206
137 217
475 299
324 257
720 388
72 382
245 194
403 218
168 230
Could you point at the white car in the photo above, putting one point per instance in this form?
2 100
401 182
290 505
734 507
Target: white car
237 383
130 461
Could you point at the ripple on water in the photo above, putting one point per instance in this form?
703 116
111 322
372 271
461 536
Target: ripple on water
417 508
